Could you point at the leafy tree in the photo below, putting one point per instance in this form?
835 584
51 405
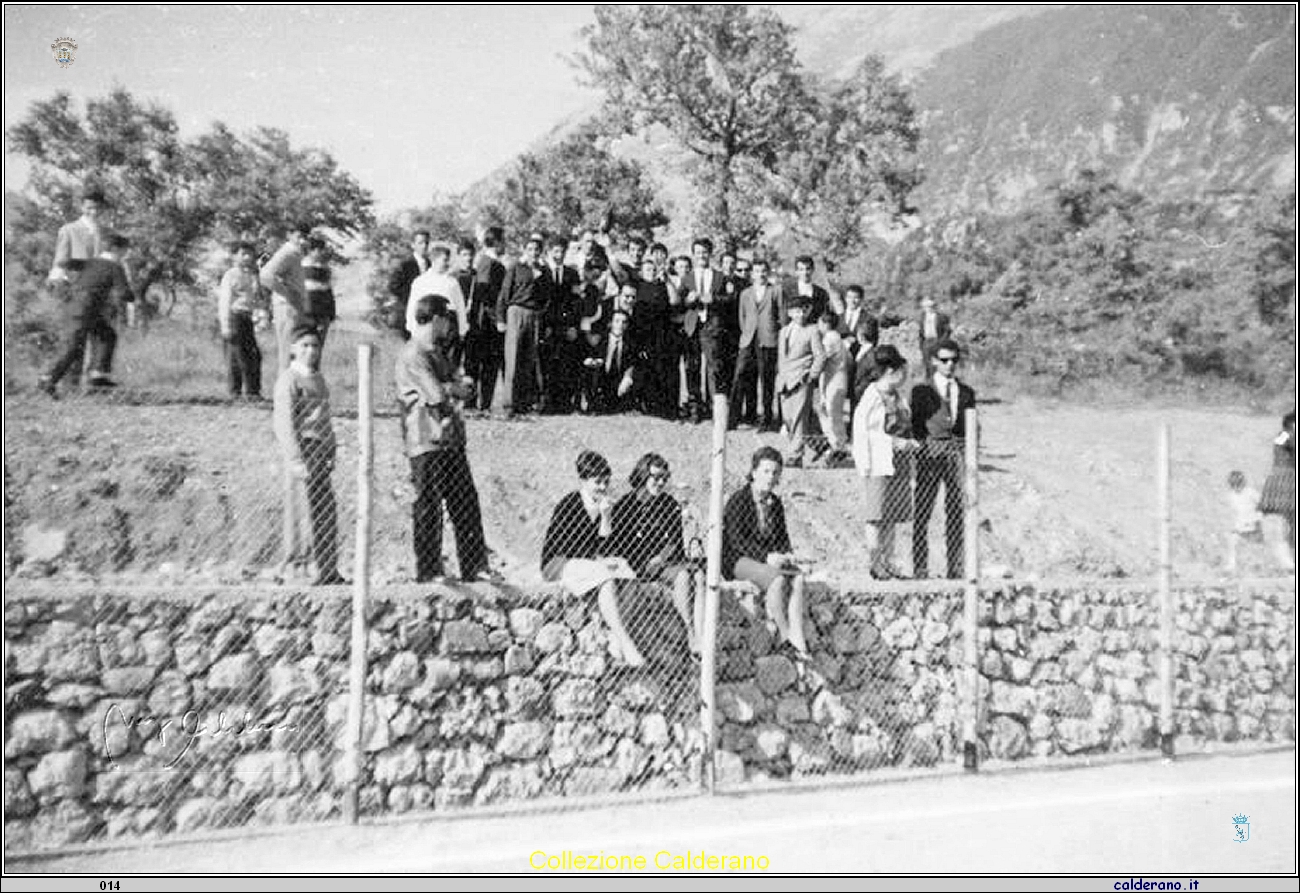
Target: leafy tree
856 155
170 197
723 80
575 183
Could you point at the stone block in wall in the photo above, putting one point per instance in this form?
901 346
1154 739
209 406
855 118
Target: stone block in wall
171 695
901 633
639 694
728 768
1020 670
735 665
518 660
826 669
65 823
576 698
510 783
524 740
554 638
128 680
586 781
19 800
1079 735
654 730
774 673
1008 738
74 695
463 637
771 741
59 775
829 709
525 622
734 738
741 702
993 665
233 674
578 742
631 759
1066 700
441 673
401 673
792 709
399 766
810 754
37 732
618 720
918 746
525 696
1016 700
1005 639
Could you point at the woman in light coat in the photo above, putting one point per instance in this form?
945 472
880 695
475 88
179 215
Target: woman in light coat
882 456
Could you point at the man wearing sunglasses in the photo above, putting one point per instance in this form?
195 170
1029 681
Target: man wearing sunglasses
939 406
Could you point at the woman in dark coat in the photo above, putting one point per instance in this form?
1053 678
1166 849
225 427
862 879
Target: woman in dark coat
576 549
648 533
756 547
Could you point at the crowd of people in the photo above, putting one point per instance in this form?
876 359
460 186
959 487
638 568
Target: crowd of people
578 328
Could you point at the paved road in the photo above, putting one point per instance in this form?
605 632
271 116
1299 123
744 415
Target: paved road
1125 819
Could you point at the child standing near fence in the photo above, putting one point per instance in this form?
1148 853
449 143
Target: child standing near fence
1247 521
306 436
240 298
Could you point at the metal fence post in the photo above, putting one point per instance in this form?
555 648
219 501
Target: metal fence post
970 618
360 584
1166 594
713 578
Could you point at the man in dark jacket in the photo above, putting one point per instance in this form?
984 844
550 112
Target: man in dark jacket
98 285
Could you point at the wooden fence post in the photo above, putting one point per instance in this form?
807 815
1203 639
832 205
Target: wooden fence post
360 585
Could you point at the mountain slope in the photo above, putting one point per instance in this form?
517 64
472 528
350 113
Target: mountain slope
1184 102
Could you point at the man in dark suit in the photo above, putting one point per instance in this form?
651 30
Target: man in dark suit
933 326
562 351
484 346
804 267
861 333
612 368
939 407
98 286
399 283
719 322
520 315
762 309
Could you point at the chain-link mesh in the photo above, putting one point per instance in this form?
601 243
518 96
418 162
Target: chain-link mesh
579 675
141 713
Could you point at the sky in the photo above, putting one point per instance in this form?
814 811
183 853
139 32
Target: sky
409 99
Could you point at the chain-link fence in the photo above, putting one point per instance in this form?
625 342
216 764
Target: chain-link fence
591 666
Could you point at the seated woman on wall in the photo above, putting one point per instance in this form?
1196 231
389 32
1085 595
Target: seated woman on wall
648 533
756 547
576 550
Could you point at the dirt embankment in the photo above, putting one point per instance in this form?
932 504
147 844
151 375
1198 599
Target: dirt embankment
183 490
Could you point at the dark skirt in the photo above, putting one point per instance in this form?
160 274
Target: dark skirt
888 500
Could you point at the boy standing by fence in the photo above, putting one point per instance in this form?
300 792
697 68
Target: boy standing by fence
239 297
306 436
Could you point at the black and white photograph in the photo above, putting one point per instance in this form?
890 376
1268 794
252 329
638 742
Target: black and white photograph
734 441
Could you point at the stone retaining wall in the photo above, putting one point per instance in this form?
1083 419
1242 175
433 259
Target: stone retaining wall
142 714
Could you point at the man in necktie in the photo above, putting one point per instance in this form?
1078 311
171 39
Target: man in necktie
612 371
818 299
399 283
939 407
718 325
